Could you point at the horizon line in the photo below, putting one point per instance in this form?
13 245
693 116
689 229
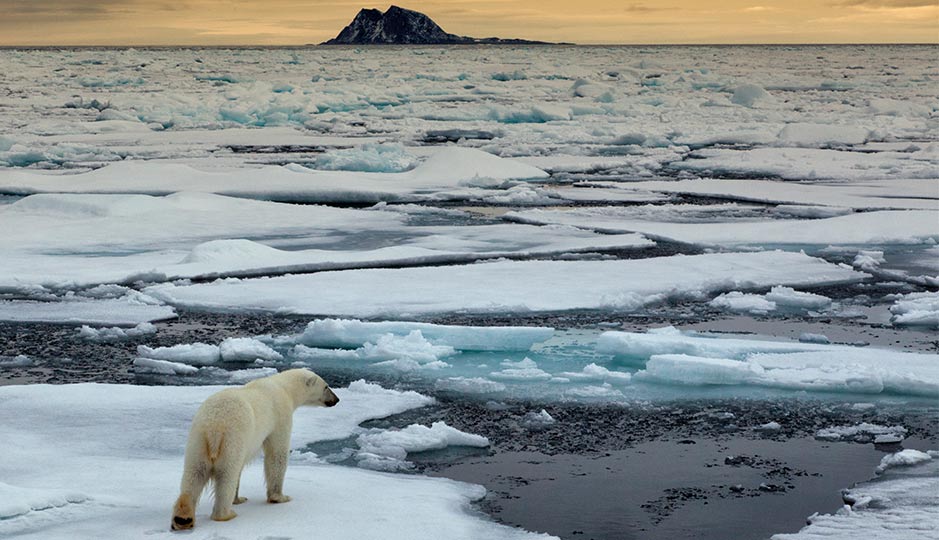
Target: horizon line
462 45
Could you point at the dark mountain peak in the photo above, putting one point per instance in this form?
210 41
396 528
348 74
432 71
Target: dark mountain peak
400 26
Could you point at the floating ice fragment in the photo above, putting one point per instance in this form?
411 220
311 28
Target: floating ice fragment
116 333
246 349
904 458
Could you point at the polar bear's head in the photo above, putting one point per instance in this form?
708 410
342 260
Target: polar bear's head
313 389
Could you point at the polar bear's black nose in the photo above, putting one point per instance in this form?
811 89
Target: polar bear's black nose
331 398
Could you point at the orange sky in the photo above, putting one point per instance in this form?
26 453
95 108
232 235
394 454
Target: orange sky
295 22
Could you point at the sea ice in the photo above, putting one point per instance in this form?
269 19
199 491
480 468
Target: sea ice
508 286
116 333
194 354
903 458
901 504
386 449
863 432
352 333
868 228
694 360
916 309
149 448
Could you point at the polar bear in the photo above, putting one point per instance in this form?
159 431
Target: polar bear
231 427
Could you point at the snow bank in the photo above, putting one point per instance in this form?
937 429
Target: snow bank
508 286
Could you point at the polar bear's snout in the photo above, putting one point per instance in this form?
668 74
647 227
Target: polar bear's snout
329 398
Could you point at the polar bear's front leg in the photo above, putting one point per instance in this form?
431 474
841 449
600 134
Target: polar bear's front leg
276 451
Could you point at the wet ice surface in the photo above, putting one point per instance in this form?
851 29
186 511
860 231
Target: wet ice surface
776 205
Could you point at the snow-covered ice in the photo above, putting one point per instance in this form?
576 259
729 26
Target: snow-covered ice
620 285
353 333
674 358
148 449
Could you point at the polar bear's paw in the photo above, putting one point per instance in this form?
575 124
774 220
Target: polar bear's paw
183 514
239 500
278 498
224 517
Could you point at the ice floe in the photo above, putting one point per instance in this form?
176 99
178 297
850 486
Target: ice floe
149 446
868 228
116 333
387 450
916 309
673 358
902 503
620 285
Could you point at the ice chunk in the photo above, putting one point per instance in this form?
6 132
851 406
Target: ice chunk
123 311
246 350
371 157
470 385
194 354
751 95
388 449
769 426
680 359
163 367
904 458
20 360
742 302
916 309
410 347
525 370
116 333
539 420
863 432
821 135
868 260
348 333
787 297
594 372
808 337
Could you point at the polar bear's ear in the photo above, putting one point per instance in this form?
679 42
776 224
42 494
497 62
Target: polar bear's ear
311 381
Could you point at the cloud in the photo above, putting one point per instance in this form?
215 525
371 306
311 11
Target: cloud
885 3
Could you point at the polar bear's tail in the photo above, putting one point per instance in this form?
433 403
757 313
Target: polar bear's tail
213 445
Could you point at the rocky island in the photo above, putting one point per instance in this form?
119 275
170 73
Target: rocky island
399 26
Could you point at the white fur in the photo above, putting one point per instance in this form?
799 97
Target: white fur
232 427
